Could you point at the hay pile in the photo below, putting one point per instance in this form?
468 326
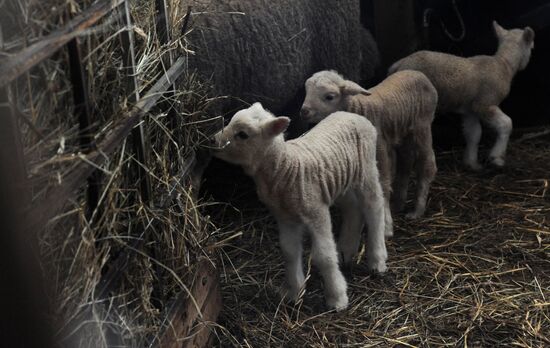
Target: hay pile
473 272
160 240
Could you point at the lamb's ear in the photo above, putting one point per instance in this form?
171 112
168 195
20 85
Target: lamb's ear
257 105
276 126
498 29
528 35
352 88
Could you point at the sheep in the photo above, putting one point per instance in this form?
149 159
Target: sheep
263 50
298 180
474 87
402 109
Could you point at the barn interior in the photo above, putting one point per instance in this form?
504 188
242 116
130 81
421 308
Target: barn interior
127 252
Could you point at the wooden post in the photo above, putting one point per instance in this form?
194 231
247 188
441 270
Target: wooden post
163 28
82 112
138 133
163 35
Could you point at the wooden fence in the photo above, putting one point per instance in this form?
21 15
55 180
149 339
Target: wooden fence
183 313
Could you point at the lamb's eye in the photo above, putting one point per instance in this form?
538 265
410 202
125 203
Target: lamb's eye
329 97
241 135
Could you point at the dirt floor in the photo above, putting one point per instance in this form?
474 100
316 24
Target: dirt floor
474 272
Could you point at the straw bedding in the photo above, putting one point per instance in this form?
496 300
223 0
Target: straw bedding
473 272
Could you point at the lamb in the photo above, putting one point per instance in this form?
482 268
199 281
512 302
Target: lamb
298 180
402 109
474 87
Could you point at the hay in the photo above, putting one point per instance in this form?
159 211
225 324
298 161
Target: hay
78 249
473 272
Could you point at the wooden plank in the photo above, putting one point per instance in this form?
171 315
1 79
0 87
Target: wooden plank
52 203
162 26
82 112
81 98
184 325
139 137
16 65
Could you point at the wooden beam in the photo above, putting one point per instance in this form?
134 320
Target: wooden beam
16 65
184 325
162 26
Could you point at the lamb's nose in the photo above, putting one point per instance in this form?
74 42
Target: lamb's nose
211 142
214 140
304 112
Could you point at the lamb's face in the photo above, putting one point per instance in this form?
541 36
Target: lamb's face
522 39
325 94
322 99
249 133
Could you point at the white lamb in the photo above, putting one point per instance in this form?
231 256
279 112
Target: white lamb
298 180
474 87
402 109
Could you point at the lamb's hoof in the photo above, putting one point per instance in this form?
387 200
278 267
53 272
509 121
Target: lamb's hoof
347 268
338 303
497 161
346 260
388 226
289 295
377 266
475 166
413 215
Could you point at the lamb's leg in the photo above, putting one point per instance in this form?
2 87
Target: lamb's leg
290 239
472 135
372 201
352 225
426 168
404 166
325 257
502 124
385 174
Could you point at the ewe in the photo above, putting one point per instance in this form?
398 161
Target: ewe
402 110
298 180
474 87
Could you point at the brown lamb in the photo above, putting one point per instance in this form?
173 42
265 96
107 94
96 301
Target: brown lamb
474 87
